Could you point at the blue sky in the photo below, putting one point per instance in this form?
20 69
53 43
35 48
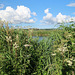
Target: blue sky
37 13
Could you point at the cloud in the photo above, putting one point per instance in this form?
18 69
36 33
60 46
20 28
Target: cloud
47 10
71 5
34 14
61 18
49 19
20 15
1 6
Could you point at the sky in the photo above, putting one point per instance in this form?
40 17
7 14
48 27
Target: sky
42 14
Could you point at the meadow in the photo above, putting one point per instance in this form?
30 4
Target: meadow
20 54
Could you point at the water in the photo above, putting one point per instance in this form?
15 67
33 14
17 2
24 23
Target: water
40 37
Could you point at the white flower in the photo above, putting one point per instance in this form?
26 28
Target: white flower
8 38
72 59
69 35
15 45
63 49
27 45
69 62
53 54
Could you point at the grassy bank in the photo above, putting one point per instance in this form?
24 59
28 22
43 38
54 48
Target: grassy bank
20 54
43 32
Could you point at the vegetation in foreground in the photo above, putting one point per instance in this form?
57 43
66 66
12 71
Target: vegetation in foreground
20 54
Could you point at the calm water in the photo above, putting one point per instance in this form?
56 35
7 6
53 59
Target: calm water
41 37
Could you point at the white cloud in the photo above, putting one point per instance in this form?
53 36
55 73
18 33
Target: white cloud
34 14
71 5
1 6
47 10
61 18
20 15
49 19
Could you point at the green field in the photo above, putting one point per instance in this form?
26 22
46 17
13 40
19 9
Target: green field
43 32
20 54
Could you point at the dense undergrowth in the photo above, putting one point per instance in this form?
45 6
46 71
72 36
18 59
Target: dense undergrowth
20 54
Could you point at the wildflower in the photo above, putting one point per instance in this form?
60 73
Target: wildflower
27 45
72 59
59 49
69 62
66 60
8 38
15 45
69 35
65 45
63 49
53 54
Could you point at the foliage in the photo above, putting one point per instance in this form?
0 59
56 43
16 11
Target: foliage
20 54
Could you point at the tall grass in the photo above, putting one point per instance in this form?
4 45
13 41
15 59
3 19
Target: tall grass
20 54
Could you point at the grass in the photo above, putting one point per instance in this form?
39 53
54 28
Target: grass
43 32
20 54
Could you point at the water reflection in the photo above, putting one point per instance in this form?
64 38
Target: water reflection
40 37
